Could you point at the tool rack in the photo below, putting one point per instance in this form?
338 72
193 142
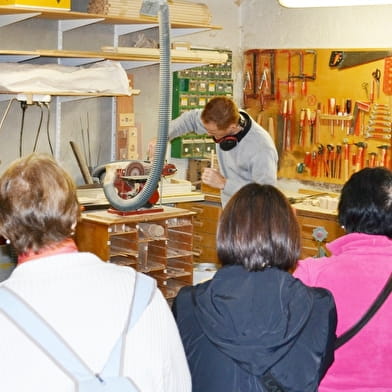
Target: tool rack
328 122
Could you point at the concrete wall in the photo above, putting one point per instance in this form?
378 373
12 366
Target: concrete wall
268 25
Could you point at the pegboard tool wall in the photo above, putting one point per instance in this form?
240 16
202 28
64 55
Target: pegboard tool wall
306 96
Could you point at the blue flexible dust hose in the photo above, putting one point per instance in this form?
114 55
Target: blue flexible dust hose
141 199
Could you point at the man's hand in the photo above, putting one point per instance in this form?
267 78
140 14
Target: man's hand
213 178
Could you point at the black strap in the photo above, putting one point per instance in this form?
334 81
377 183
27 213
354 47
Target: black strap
342 339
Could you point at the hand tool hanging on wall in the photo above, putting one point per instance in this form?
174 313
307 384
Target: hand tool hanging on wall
265 75
359 107
302 76
383 152
301 136
285 125
347 111
338 161
317 124
290 81
323 163
372 159
377 136
346 160
290 127
249 88
330 160
359 160
311 116
263 87
376 83
331 110
314 164
345 59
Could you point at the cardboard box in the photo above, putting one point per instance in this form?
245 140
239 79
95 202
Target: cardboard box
60 5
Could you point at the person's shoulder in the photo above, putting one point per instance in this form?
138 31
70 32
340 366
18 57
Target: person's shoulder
308 269
321 297
192 113
187 296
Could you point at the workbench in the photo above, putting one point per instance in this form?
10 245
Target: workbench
309 217
156 243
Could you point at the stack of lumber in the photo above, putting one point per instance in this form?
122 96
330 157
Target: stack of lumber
180 11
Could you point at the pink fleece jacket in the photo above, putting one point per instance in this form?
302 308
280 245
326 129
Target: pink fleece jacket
355 273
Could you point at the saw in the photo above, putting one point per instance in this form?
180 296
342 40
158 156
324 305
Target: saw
345 59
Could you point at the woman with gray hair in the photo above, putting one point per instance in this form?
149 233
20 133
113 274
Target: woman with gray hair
84 300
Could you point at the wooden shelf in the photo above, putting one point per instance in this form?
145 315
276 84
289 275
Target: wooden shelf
128 57
124 54
106 19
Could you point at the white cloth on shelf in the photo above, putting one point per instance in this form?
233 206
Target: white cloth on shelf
104 77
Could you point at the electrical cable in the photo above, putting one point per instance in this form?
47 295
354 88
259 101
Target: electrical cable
6 111
47 127
39 125
23 105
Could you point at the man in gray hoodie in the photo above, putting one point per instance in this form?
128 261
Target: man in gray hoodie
246 152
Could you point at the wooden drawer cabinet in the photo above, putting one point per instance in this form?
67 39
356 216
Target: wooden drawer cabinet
159 244
205 224
308 221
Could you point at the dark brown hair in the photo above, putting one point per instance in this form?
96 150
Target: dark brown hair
222 111
258 229
38 203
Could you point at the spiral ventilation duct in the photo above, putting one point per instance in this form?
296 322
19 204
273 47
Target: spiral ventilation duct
152 8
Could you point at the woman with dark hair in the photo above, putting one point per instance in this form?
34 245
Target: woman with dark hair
253 324
357 270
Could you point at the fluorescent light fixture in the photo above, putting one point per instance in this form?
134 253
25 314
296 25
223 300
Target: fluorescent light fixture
330 3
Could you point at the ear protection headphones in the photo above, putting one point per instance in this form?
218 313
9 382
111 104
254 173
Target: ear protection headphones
227 143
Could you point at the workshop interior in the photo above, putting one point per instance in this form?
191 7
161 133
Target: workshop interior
108 76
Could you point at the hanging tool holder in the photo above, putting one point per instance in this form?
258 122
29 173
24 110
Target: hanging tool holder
259 77
332 110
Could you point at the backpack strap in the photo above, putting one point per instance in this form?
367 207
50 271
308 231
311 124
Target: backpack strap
42 334
35 327
381 298
143 293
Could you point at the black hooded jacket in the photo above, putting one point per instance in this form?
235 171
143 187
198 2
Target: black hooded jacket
242 324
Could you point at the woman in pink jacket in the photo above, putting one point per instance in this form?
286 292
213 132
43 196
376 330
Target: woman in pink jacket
355 273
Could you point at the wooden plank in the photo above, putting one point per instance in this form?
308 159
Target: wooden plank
105 19
126 54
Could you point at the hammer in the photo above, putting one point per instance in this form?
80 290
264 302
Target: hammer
359 161
383 158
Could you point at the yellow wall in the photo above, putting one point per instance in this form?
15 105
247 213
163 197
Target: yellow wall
330 82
